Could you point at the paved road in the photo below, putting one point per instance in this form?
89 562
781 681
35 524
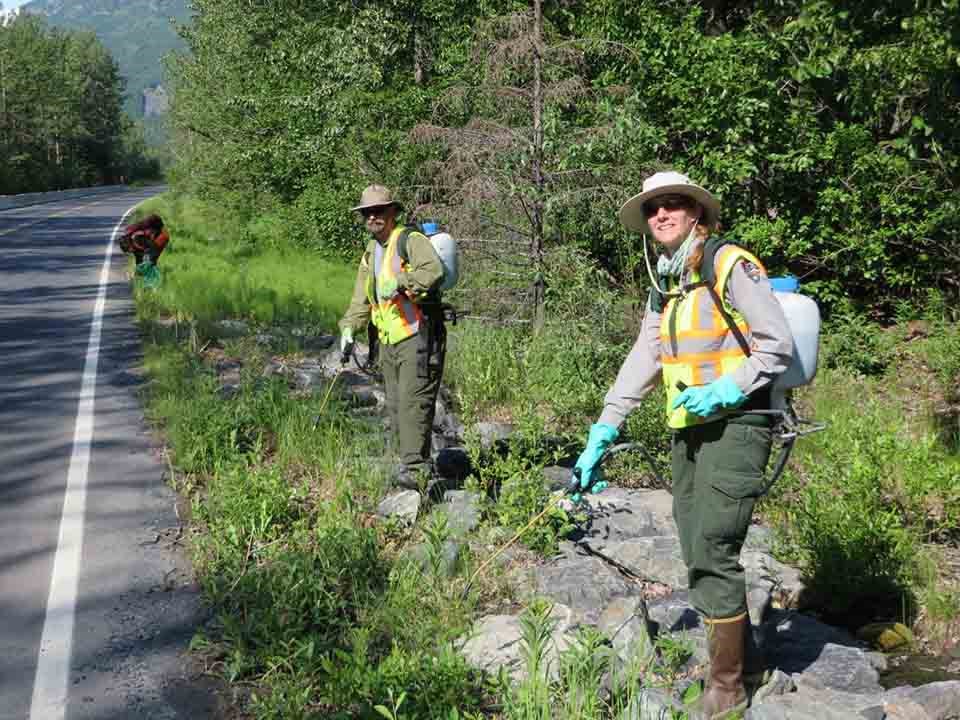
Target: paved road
134 609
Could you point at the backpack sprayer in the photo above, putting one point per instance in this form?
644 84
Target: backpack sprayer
803 319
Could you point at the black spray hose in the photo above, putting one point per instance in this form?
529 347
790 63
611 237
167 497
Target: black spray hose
789 439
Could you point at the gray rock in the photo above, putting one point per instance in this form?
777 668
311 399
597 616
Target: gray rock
449 560
584 584
759 538
651 704
448 429
306 375
317 343
674 613
496 642
226 329
655 558
462 509
556 477
365 396
491 433
624 621
619 514
939 700
770 584
403 505
779 683
809 706
229 391
267 340
819 656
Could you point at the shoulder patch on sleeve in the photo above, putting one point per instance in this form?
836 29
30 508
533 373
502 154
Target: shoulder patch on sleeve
754 271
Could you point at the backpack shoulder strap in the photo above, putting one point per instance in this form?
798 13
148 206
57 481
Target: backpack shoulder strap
708 277
402 244
708 270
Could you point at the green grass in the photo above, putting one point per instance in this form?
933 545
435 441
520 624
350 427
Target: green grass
316 606
213 269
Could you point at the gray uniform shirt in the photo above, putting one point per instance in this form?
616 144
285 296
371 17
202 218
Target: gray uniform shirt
771 345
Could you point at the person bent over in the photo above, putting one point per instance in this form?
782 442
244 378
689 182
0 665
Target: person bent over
397 291
717 346
145 238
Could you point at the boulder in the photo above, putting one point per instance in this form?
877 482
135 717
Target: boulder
496 642
673 613
556 478
651 704
624 621
403 506
818 655
462 509
228 329
816 706
656 558
779 683
491 434
939 700
449 557
620 514
585 584
770 584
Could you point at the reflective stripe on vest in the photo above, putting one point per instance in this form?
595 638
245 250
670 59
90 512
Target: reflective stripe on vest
398 318
696 345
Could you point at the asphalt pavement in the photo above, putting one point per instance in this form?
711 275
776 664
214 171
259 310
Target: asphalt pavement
91 566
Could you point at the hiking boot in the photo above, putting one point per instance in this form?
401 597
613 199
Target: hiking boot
724 695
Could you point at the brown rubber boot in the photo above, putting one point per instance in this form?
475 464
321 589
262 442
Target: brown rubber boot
724 694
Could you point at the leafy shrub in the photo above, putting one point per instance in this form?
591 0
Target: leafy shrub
852 342
521 494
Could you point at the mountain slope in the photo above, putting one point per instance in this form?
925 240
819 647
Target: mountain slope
137 32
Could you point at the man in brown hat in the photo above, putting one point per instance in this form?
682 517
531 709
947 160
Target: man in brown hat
397 290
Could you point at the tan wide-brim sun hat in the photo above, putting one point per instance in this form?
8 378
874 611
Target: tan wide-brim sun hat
377 196
669 182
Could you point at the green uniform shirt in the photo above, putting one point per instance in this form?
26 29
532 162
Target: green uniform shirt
424 271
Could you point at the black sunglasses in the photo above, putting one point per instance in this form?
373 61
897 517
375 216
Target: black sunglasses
668 202
376 210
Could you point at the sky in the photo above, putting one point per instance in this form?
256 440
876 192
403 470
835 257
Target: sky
11 4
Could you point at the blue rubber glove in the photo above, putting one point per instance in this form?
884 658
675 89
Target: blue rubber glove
706 400
601 437
387 289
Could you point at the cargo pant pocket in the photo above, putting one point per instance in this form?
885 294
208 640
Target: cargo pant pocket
735 479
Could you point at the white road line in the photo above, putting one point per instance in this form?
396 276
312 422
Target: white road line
56 644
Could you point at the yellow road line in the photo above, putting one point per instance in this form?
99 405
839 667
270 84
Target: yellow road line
48 217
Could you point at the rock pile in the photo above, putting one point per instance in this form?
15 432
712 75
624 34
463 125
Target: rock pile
600 578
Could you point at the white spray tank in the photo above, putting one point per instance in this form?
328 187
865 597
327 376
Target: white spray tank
446 248
803 319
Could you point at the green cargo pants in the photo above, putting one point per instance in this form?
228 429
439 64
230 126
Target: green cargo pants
718 474
412 370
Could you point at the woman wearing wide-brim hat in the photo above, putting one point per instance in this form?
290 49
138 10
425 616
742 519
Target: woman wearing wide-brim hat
717 337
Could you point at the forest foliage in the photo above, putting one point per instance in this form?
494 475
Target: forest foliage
61 118
826 127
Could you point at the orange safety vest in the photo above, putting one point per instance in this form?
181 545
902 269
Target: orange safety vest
696 344
398 318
